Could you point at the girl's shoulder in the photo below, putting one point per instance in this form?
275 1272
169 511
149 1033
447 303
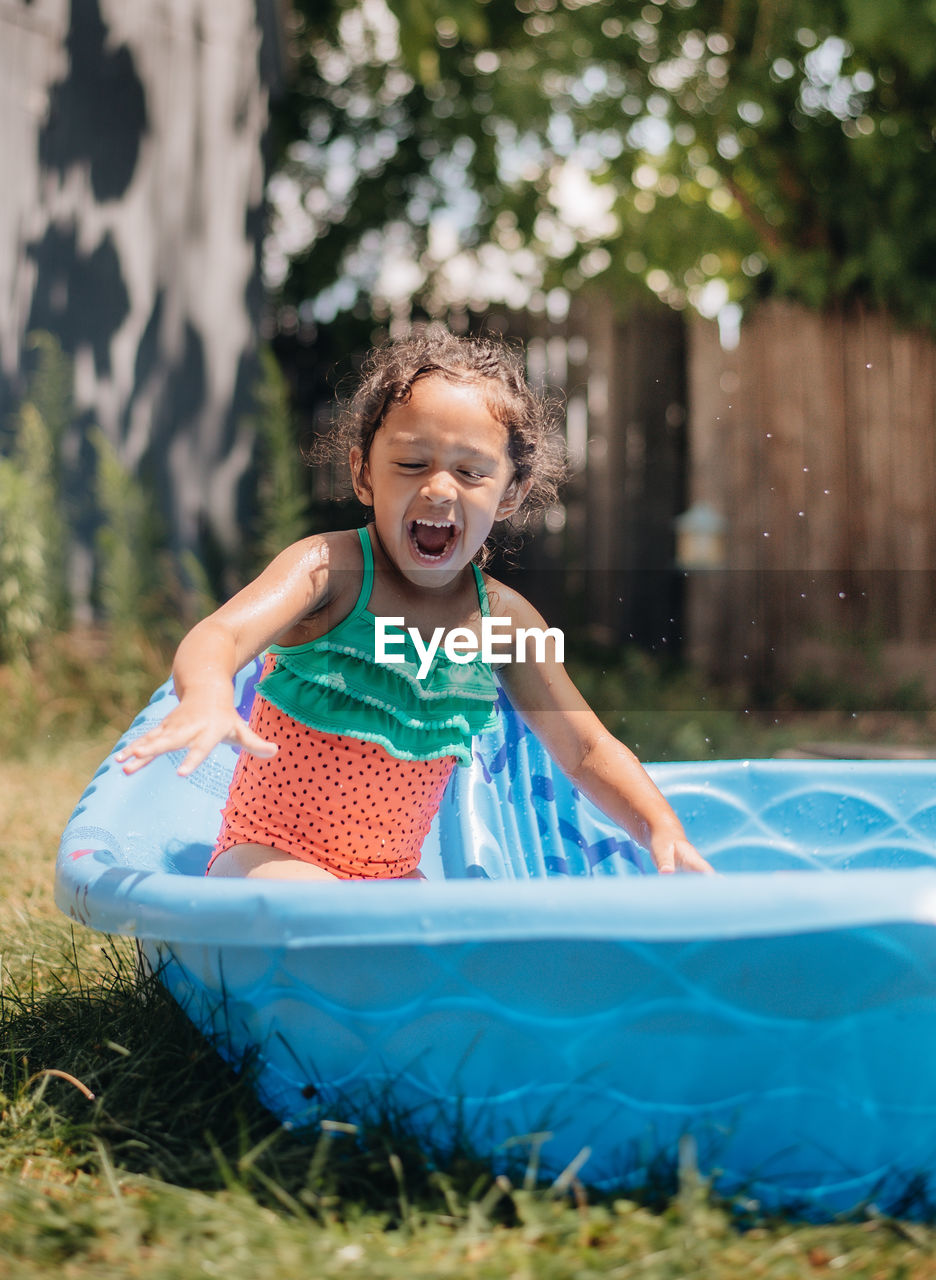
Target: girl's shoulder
329 569
343 548
506 602
338 550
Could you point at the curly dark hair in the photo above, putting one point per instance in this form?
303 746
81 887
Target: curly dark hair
497 367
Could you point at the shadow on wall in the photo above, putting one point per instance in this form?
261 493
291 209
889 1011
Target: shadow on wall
97 114
80 297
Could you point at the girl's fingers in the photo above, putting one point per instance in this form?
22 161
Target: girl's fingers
132 766
256 745
199 745
194 757
690 859
139 753
157 742
682 856
242 736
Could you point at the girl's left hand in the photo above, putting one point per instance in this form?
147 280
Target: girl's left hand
675 853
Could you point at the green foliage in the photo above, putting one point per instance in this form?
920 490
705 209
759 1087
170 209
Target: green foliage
660 711
132 576
81 682
32 579
41 509
138 589
50 386
783 149
282 495
36 517
664 711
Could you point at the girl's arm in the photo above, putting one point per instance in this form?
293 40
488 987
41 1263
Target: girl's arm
596 762
292 587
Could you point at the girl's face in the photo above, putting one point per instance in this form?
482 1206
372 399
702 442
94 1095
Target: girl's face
438 475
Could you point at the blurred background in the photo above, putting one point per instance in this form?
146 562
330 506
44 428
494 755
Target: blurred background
711 223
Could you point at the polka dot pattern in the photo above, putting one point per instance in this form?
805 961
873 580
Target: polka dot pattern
339 802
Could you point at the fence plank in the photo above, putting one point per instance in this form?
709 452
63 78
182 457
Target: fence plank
828 448
913 459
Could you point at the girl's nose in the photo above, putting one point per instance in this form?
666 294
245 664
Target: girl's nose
440 486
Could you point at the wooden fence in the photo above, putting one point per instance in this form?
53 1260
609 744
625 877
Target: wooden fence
602 565
815 439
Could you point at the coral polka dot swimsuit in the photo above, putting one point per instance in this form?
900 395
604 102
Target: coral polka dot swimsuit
365 748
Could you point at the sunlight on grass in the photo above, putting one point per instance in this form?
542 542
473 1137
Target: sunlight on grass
39 791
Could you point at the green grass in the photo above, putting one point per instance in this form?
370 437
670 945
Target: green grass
667 712
172 1167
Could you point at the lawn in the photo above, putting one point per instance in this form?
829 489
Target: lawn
127 1148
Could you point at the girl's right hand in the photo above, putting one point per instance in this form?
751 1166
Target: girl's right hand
196 727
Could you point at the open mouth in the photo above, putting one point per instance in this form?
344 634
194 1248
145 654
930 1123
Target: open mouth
431 538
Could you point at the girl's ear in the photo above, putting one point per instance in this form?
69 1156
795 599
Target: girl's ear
514 496
360 478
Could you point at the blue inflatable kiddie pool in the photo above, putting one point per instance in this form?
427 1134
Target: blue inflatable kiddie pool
545 979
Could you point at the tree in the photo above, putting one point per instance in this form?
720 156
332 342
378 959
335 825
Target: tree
706 150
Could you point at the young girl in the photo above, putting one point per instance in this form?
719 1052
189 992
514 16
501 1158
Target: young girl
347 753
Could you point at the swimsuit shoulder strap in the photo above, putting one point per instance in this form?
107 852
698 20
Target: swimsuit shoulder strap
367 578
482 591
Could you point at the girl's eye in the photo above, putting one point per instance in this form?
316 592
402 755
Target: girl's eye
462 471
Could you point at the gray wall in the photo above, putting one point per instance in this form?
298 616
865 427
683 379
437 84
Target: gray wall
132 170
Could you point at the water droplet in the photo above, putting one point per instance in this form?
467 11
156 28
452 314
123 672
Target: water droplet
841 595
769 435
868 366
805 468
766 534
801 513
827 491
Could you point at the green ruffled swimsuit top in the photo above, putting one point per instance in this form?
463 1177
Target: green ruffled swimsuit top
335 684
